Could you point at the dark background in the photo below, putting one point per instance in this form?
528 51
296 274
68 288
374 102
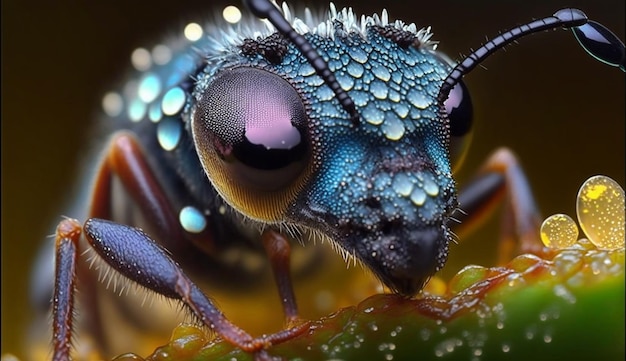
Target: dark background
561 111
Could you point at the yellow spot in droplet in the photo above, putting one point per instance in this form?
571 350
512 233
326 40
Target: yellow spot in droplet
600 210
596 191
559 231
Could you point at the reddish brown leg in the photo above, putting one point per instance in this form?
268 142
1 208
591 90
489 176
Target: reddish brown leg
135 255
67 238
124 159
279 251
502 175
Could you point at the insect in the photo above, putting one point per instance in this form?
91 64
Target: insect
392 213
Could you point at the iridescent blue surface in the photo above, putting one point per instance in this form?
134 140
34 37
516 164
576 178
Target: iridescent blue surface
382 190
382 184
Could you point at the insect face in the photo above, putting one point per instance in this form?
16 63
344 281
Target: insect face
282 151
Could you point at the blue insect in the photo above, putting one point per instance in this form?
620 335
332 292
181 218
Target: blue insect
343 129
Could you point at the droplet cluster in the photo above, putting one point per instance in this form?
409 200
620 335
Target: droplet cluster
600 211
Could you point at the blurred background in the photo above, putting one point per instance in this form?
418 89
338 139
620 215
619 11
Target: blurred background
561 111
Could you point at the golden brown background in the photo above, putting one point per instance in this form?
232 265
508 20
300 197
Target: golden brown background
561 111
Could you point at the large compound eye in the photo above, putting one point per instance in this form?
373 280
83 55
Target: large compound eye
461 115
251 133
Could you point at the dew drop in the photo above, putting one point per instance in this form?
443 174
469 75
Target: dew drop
141 59
402 184
193 32
231 14
192 219
149 88
173 101
393 128
418 196
169 133
112 104
161 54
418 99
600 210
559 231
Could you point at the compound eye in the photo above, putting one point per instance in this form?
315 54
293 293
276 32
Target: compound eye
251 133
461 115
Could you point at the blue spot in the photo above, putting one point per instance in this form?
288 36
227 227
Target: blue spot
136 110
154 112
149 88
169 132
183 66
192 220
173 101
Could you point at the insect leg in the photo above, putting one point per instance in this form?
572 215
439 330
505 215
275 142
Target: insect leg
279 251
125 159
502 176
136 256
66 242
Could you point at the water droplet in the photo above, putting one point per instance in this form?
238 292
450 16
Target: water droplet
355 69
141 59
402 184
559 231
136 110
418 99
381 72
393 128
112 104
379 90
358 55
431 188
232 14
169 132
154 112
193 32
418 197
161 54
173 101
562 292
192 220
149 88
600 210
373 115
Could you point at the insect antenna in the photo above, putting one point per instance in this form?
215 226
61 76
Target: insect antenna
594 37
264 9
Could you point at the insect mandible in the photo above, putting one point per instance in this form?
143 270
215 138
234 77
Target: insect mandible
360 157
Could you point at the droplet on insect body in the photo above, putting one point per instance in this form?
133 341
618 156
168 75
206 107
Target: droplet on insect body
600 210
192 220
559 231
232 14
